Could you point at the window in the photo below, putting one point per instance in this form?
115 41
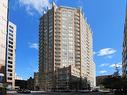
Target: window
10 30
10 62
10 34
11 27
10 38
10 50
10 42
10 46
9 66
10 74
10 54
10 58
9 70
9 78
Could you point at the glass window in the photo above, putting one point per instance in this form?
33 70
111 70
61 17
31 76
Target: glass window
10 30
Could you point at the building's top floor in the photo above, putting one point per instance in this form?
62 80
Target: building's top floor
67 8
53 5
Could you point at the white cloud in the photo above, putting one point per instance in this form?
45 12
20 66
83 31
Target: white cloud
104 64
119 65
103 71
94 52
111 65
106 52
110 56
33 45
37 5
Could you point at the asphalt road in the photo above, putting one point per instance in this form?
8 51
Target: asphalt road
59 93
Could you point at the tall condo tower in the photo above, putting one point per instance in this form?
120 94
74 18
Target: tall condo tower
124 58
3 34
65 41
11 55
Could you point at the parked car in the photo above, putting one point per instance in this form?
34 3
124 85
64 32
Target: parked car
25 91
95 90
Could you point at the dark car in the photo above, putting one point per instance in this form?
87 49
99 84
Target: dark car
25 91
19 90
95 90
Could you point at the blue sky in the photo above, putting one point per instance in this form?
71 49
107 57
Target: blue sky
106 18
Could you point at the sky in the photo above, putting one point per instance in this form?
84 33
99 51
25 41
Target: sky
106 19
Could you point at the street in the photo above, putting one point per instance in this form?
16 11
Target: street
59 93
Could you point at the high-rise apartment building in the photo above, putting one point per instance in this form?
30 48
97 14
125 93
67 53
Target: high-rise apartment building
11 54
3 34
124 59
65 39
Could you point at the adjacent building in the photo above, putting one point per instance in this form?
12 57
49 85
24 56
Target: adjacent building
24 84
30 83
20 84
11 54
36 81
3 34
124 54
68 78
99 79
65 40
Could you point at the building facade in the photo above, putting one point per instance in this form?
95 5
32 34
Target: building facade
100 79
30 83
67 78
65 39
124 54
20 84
36 81
3 34
11 55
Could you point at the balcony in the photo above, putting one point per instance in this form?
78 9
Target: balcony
77 17
77 41
57 44
57 36
77 52
77 48
77 37
77 59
